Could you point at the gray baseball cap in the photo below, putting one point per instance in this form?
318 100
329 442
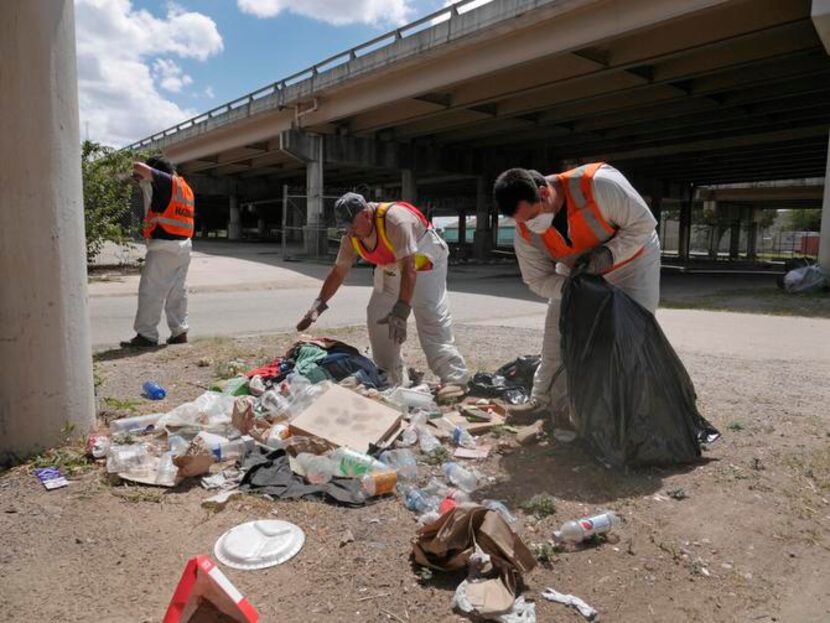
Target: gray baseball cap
348 207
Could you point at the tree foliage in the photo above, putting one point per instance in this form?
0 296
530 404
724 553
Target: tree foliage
804 220
107 194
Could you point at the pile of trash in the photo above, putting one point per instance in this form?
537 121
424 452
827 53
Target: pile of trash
321 423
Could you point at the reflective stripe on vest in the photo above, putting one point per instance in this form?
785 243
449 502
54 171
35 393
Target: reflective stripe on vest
178 217
383 254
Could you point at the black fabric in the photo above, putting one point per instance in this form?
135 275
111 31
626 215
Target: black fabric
268 471
162 192
560 222
634 403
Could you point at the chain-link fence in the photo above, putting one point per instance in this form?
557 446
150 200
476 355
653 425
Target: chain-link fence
304 240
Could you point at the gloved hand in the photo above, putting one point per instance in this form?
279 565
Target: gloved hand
312 315
396 319
595 262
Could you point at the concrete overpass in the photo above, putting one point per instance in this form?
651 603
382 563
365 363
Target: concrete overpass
677 94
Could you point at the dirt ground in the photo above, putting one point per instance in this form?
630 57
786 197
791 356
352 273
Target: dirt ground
748 543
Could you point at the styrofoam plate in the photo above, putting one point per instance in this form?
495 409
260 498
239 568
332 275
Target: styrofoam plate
259 544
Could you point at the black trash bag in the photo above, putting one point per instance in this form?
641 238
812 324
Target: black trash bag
486 385
521 370
634 403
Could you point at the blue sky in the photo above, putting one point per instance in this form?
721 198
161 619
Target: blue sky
144 65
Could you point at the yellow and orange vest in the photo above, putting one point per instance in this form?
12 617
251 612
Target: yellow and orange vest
383 254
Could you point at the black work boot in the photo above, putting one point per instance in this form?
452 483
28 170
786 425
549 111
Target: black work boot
181 338
139 341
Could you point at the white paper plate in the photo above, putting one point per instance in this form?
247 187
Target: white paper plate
259 544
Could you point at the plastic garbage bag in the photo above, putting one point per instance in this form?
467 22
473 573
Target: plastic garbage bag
521 370
806 279
512 382
633 401
210 412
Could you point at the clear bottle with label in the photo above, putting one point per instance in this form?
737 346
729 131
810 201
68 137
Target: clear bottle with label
378 483
576 531
351 463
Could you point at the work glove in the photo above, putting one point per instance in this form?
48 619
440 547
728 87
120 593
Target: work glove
396 319
595 262
312 315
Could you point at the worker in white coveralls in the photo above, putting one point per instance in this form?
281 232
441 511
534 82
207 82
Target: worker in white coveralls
410 275
589 217
168 227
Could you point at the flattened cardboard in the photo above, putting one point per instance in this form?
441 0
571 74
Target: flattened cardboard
345 418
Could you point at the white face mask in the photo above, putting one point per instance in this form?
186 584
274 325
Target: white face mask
539 224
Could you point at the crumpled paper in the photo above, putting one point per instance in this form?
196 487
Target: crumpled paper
572 600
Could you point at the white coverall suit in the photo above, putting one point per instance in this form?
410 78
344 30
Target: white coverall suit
162 283
430 304
624 209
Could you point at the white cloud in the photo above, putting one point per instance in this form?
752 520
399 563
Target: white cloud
336 12
170 75
123 60
209 93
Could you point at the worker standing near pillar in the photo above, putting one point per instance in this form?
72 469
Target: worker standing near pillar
410 275
168 228
590 217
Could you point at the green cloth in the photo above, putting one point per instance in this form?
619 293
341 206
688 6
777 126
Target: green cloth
308 356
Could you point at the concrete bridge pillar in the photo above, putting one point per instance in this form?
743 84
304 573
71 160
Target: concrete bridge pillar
234 222
685 236
483 237
824 240
46 387
314 233
409 189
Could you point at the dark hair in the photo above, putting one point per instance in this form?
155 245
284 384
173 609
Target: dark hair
515 185
160 163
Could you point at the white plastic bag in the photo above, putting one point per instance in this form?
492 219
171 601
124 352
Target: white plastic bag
805 279
210 412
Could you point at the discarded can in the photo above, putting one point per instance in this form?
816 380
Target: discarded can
97 445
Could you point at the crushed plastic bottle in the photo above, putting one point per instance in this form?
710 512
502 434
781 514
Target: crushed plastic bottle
417 501
233 450
137 423
462 437
177 444
379 482
153 390
317 469
409 436
576 531
501 509
126 458
465 479
274 403
351 463
428 442
439 489
402 461
167 471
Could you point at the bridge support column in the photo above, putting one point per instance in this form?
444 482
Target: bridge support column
735 233
46 385
314 232
685 235
234 220
824 240
409 189
752 234
483 237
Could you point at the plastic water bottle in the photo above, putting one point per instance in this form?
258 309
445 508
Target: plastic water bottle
351 463
135 423
167 471
462 437
501 509
153 390
415 500
402 461
428 442
438 489
379 483
127 458
581 529
464 479
317 469
232 450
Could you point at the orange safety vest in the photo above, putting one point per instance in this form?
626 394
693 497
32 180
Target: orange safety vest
177 218
587 227
383 254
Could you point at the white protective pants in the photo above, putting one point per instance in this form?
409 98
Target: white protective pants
163 285
639 279
432 318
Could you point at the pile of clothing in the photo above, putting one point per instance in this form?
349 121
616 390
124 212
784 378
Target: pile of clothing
322 359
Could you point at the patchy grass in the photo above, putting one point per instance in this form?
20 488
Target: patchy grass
71 459
540 505
137 495
117 404
437 456
768 300
735 426
546 553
